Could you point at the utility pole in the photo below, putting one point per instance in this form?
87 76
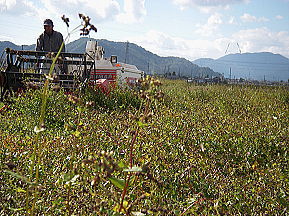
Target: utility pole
148 68
230 73
22 46
126 53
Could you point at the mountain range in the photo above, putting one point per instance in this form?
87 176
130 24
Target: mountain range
254 66
133 54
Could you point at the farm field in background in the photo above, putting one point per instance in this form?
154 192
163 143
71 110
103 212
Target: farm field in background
195 150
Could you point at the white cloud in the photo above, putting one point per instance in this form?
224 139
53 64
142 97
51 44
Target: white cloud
207 5
5 38
212 25
134 11
251 40
207 2
250 18
16 7
98 10
263 19
215 19
279 17
232 20
262 39
7 5
166 45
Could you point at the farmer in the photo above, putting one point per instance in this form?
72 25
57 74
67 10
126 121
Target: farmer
49 40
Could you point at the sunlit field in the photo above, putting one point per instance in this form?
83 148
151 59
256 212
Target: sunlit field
170 149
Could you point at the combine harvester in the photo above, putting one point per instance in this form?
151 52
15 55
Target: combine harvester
73 70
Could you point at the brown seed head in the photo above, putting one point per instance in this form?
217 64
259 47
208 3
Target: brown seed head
65 19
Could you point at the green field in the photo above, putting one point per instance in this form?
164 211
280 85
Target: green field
188 150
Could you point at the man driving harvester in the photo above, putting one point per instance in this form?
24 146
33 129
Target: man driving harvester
50 41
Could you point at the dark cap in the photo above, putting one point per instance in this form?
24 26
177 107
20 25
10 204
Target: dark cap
48 22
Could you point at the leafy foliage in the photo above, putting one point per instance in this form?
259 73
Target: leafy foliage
174 149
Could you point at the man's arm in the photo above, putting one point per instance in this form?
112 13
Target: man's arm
39 43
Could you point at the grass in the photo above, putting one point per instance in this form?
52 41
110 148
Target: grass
197 150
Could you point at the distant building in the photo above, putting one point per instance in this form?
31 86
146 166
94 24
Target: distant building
206 80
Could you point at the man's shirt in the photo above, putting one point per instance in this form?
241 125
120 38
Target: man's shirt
50 43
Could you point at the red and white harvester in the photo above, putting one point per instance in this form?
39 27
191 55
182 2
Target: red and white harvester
20 67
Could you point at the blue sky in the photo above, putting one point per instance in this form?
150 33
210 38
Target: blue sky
185 28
